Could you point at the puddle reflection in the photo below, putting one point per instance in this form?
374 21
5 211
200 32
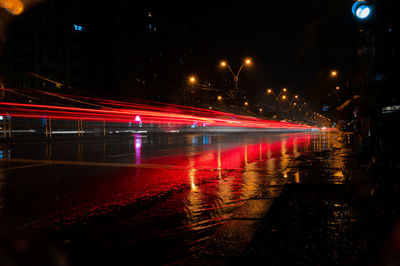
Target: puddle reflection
197 179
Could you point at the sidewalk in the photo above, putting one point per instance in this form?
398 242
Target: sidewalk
352 222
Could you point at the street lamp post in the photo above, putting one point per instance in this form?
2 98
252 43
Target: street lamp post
301 106
277 97
295 97
236 76
364 12
271 91
192 80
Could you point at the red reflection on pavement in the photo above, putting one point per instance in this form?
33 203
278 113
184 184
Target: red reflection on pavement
213 181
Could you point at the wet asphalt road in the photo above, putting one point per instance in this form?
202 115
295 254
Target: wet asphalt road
144 199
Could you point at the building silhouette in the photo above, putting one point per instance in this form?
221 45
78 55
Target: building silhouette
100 49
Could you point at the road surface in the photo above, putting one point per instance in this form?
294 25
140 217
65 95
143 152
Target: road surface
119 199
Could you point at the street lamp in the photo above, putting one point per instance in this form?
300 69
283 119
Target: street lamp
295 97
300 106
192 80
247 61
361 9
334 73
14 7
277 97
271 91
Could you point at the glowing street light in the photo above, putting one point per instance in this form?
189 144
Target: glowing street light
224 64
284 97
14 7
219 97
361 9
295 97
334 73
278 97
246 103
271 91
300 106
192 79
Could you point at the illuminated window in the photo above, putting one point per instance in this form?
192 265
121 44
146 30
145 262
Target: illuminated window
78 27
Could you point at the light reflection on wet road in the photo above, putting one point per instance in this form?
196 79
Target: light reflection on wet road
124 197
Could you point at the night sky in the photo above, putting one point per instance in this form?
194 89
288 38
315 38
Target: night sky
292 44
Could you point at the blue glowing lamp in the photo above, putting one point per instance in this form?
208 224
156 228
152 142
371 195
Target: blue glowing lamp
361 9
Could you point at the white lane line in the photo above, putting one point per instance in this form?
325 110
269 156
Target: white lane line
129 165
121 155
22 166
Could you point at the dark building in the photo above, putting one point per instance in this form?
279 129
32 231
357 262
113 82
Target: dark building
119 49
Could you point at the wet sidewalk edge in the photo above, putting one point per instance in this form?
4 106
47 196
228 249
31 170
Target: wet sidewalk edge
353 223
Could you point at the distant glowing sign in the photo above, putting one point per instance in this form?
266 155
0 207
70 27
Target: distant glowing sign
390 109
78 27
138 120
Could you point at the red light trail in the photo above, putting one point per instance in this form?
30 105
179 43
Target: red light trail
124 112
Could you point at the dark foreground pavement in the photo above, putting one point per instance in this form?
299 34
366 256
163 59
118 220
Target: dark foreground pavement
355 222
199 199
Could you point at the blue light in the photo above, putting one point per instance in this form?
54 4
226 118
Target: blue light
194 125
361 9
78 27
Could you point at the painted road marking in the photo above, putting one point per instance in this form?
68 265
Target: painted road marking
22 166
121 155
130 165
